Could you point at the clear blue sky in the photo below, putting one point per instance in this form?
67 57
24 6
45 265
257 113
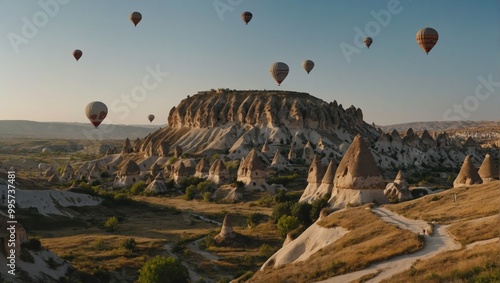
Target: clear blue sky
200 48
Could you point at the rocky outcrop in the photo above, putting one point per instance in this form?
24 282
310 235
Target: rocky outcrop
397 191
468 174
202 168
127 147
488 171
357 178
252 172
314 177
218 172
157 186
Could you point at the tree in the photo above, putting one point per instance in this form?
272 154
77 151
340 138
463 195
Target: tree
129 244
162 269
287 223
111 224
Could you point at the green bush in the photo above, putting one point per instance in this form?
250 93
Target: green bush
254 219
266 251
111 224
138 188
302 210
286 224
162 269
129 244
281 209
191 192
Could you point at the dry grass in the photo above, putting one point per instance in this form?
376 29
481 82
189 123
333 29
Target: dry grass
480 264
476 230
473 202
369 240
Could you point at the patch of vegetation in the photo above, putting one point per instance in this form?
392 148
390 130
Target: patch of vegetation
33 244
162 269
111 224
283 179
129 244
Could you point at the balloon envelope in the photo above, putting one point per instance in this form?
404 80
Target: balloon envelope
151 117
427 38
308 65
77 54
368 41
279 71
135 17
96 111
247 17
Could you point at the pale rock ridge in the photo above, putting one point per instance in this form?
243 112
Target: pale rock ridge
468 174
137 145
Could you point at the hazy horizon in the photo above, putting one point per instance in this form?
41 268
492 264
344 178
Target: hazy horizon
182 47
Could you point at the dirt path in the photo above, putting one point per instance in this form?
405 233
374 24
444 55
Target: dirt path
440 241
195 277
193 246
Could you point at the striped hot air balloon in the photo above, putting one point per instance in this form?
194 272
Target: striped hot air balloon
427 38
279 71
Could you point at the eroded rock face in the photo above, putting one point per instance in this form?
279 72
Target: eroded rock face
214 121
468 174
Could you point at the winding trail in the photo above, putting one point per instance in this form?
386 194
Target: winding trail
440 241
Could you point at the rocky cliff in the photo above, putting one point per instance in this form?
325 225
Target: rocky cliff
235 121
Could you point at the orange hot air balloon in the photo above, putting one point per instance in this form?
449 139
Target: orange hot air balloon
77 54
151 117
368 41
427 38
136 17
279 71
247 17
96 111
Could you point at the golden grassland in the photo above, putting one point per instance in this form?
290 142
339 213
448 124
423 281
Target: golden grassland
369 240
473 202
476 230
480 264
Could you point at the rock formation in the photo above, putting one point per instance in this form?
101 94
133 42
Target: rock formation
128 175
227 231
137 145
468 174
308 153
127 147
357 178
177 151
252 172
179 172
278 162
218 172
202 168
314 177
488 171
397 191
67 174
157 186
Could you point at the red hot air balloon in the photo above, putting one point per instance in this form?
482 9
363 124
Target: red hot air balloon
77 54
279 71
136 17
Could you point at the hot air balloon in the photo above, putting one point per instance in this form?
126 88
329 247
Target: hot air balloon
308 65
96 111
427 38
246 16
77 54
279 71
368 41
151 117
135 17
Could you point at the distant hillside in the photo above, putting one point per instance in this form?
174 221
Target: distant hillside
441 126
80 131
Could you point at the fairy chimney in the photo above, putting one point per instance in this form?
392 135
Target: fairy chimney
489 170
468 174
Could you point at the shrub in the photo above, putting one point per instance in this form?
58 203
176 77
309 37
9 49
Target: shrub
254 219
163 269
302 210
206 196
191 192
111 224
266 251
286 224
129 244
33 244
172 160
138 188
281 209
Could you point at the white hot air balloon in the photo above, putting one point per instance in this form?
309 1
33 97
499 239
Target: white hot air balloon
308 65
279 71
427 38
96 111
151 117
